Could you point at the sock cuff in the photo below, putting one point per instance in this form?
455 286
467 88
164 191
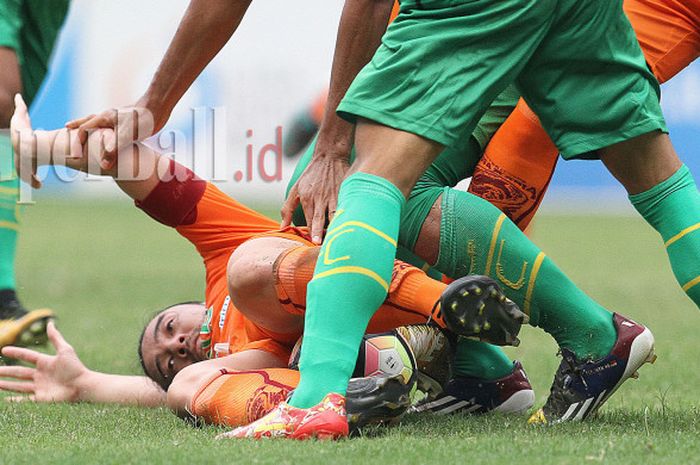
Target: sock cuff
678 180
364 185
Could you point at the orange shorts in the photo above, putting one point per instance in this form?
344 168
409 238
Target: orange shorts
668 32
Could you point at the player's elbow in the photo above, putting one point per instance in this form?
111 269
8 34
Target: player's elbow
182 390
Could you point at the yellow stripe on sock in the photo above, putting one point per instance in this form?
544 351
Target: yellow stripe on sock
494 237
355 270
327 260
425 267
531 284
690 284
9 225
12 191
369 228
680 235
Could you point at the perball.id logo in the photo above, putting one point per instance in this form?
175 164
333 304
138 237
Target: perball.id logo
129 147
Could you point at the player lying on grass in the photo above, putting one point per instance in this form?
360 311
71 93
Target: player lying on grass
255 293
267 276
531 42
242 387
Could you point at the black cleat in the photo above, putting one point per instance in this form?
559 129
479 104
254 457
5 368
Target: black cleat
581 387
474 306
511 394
377 399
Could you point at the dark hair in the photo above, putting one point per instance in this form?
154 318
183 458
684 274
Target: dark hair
165 384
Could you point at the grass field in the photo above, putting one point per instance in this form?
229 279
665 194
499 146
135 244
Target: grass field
106 267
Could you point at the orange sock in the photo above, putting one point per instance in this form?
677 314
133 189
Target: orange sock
293 270
516 168
411 300
236 398
415 293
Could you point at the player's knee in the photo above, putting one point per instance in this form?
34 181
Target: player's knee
247 275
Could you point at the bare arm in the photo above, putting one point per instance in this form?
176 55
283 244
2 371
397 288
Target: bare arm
205 28
190 379
10 84
361 28
64 378
136 171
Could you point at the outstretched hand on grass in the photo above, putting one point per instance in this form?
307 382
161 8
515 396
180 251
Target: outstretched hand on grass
53 378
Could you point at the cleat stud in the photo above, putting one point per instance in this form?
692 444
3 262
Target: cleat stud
481 308
651 358
487 326
37 327
26 338
465 293
454 305
476 329
635 375
494 293
477 291
502 298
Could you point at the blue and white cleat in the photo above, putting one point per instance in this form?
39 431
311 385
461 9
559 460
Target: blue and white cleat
580 388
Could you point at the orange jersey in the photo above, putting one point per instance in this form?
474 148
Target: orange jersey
668 32
217 225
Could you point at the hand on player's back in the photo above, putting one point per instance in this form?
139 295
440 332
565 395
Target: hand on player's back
53 378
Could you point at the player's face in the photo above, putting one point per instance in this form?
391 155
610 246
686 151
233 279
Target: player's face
171 342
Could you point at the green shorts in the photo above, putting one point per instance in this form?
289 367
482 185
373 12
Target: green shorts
577 63
30 28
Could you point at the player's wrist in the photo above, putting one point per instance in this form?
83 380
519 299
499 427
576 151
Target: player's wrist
154 103
335 140
84 385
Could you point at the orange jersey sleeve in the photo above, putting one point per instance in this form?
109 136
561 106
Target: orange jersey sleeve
668 32
216 224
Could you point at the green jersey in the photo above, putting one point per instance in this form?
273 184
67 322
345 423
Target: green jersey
30 28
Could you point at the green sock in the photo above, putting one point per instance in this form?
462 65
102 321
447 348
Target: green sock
9 191
673 209
476 238
350 282
475 359
478 359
